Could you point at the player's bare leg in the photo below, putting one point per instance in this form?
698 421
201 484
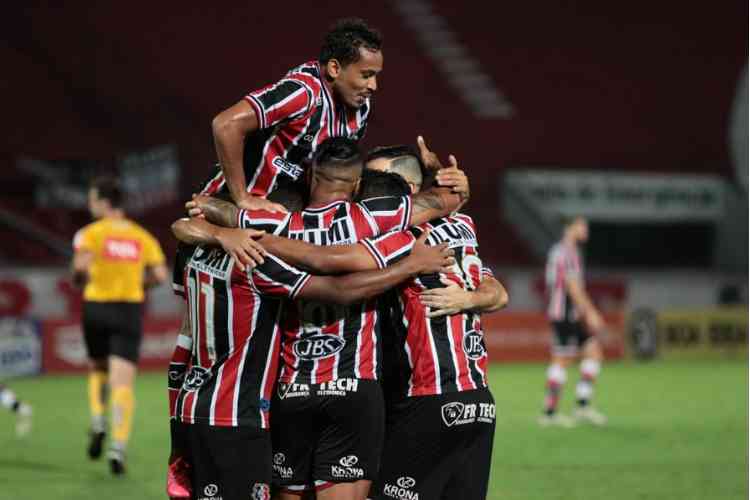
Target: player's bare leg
590 368
357 490
9 400
556 378
98 393
121 378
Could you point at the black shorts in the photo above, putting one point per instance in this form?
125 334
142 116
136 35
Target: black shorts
326 433
113 328
438 447
231 463
568 337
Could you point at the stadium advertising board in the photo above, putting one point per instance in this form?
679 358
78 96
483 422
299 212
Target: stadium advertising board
20 347
617 196
64 350
684 332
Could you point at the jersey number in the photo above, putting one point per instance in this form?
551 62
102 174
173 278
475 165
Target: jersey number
202 331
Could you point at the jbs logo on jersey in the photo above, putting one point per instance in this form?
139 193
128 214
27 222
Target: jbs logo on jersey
212 261
291 169
458 413
318 346
196 377
402 489
474 345
122 249
347 469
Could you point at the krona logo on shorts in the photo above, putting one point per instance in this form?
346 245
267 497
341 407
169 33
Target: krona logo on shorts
279 458
318 346
279 468
347 469
349 461
401 490
210 492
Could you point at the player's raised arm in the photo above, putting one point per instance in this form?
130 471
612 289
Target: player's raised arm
355 287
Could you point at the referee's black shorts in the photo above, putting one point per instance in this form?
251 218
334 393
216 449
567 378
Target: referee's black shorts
113 328
438 447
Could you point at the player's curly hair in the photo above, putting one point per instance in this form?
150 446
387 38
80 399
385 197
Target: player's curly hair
338 152
376 184
346 36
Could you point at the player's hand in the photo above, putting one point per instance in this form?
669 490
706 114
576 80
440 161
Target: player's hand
446 301
242 246
454 178
595 322
195 206
430 159
431 259
250 202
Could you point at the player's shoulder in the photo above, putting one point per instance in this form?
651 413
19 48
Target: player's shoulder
307 75
464 219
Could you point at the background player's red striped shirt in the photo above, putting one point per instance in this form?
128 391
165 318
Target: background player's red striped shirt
563 262
296 114
447 353
321 341
234 321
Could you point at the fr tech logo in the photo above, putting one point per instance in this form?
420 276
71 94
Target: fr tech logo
122 249
458 413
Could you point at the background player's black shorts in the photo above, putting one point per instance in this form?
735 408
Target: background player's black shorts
231 463
331 432
568 337
438 447
113 328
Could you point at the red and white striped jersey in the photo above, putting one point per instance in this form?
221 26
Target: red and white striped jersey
321 341
296 114
444 354
563 262
234 321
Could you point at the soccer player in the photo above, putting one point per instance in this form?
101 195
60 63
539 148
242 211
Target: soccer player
115 259
226 395
331 356
267 139
23 411
569 308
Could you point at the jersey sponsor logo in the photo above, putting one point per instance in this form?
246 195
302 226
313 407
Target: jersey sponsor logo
453 233
196 377
212 261
338 387
402 489
122 249
457 413
288 391
260 491
347 469
473 345
291 169
337 233
318 346
211 493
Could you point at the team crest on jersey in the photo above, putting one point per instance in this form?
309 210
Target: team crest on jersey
318 346
260 491
196 377
452 412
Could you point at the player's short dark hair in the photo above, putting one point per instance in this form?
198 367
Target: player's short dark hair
376 184
338 152
109 188
390 152
289 196
403 151
344 39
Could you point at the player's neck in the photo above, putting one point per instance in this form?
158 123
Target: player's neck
321 200
114 214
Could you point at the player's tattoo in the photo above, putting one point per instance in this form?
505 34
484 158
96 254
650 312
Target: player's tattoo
220 212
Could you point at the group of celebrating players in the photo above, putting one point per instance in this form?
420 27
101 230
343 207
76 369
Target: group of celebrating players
332 345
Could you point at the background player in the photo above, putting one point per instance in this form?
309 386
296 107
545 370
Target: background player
23 411
267 138
115 259
572 315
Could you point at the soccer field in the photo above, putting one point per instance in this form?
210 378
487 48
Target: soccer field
678 430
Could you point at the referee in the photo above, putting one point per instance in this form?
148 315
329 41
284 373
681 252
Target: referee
115 259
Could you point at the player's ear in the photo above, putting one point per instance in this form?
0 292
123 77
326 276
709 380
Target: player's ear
333 68
357 185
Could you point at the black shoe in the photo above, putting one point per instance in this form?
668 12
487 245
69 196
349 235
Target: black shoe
96 440
116 462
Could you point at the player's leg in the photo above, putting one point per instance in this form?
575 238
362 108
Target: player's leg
96 339
294 434
564 351
9 400
351 441
125 343
591 364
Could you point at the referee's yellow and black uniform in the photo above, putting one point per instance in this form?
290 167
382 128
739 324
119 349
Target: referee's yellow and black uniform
121 250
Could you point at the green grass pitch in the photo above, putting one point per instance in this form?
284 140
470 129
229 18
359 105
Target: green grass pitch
678 430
